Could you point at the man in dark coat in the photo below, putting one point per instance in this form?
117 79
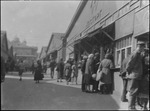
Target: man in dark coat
3 69
135 71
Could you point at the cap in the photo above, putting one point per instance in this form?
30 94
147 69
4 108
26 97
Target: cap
140 43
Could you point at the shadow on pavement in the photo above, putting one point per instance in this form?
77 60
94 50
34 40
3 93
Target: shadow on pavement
29 95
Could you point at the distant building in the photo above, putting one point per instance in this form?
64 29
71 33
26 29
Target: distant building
42 54
55 47
23 52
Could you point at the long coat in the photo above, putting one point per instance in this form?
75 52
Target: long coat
105 67
135 66
89 70
38 72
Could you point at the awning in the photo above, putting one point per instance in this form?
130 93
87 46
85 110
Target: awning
141 23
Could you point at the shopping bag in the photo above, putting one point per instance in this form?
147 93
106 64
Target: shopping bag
99 75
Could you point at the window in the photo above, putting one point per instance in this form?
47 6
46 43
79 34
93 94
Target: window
123 49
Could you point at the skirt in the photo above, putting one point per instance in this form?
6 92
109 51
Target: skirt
87 79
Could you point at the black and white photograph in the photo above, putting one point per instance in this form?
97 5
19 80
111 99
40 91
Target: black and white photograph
75 55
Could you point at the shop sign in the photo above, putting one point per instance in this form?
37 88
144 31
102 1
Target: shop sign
124 26
141 24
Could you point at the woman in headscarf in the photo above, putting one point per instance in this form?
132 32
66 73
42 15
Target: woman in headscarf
106 79
88 72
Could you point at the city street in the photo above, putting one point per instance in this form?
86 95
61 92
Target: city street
49 94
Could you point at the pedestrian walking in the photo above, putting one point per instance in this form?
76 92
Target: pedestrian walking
68 72
38 72
83 66
75 72
134 69
52 67
88 72
106 80
60 69
3 69
21 69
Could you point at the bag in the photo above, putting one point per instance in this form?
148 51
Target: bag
99 75
94 76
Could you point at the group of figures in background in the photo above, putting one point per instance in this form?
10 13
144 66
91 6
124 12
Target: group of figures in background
134 72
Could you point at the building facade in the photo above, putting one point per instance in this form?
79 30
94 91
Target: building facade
55 47
27 54
42 55
108 25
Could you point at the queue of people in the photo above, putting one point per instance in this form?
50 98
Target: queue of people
97 74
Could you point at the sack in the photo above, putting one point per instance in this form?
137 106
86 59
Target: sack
100 75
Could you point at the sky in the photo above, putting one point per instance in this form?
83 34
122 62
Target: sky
35 21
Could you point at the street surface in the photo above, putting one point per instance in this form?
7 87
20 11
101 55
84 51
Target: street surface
52 95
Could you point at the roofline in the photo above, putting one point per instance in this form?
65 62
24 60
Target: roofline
52 35
49 43
42 50
76 16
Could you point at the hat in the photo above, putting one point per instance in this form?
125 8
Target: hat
140 43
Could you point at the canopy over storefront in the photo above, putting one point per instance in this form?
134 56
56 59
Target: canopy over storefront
141 23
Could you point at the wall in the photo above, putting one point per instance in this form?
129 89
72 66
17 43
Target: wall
93 12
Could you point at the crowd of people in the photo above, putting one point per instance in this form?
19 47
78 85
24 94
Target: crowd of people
97 76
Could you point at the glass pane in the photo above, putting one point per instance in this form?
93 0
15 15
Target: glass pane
118 58
122 54
128 51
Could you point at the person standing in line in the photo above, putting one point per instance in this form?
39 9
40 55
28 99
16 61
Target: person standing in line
110 52
96 65
106 80
83 73
88 72
134 69
123 75
68 71
38 72
60 68
21 69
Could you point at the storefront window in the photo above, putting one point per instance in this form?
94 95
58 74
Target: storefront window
118 58
128 51
123 49
122 54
